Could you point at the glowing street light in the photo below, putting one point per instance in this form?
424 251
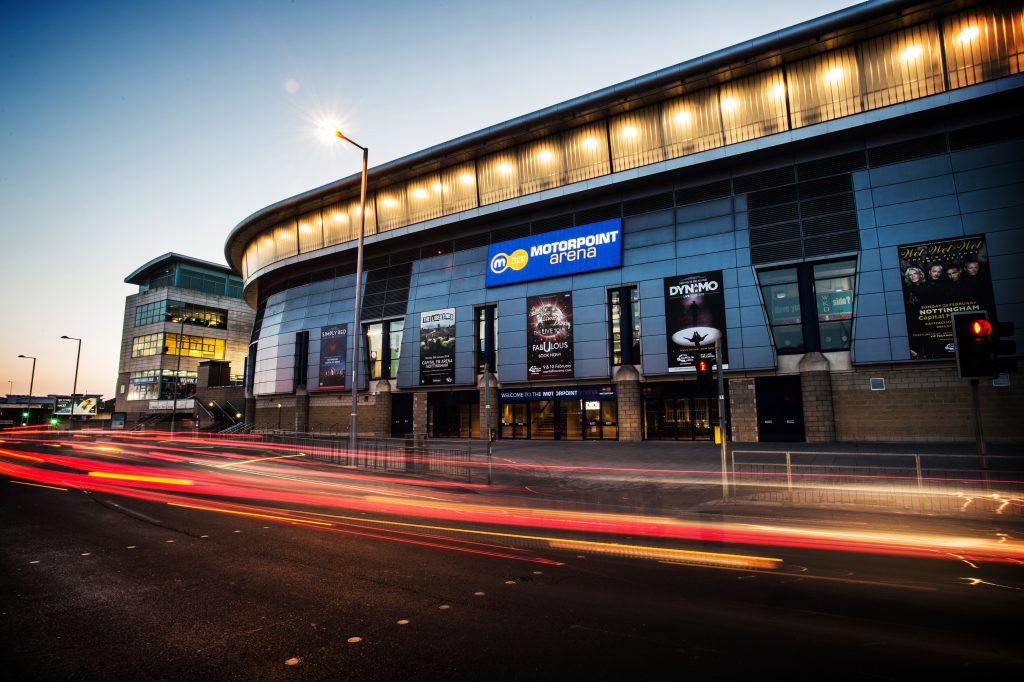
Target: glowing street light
334 131
74 386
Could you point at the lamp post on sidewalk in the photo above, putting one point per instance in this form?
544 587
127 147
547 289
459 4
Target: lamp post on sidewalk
31 382
177 372
74 386
334 131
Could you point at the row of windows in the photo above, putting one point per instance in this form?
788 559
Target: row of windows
177 312
826 288
185 278
167 344
957 51
161 384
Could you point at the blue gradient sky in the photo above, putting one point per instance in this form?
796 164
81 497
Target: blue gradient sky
130 129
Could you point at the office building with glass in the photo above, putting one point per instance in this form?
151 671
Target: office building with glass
817 201
187 312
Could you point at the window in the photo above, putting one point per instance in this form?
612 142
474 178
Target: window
781 292
486 333
833 289
195 347
828 288
160 384
150 313
150 344
197 315
200 281
383 340
624 303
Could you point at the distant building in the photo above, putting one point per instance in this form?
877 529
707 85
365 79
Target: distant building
820 199
187 330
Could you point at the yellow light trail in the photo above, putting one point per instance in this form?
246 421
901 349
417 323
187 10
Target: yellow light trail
141 479
638 551
260 459
40 485
252 514
8 453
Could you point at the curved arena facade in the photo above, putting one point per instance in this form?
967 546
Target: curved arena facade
817 201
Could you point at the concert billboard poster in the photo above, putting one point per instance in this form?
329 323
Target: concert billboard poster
333 352
437 347
694 319
940 278
549 352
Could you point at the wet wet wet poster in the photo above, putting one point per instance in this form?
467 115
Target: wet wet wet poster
549 352
333 351
941 278
694 319
437 347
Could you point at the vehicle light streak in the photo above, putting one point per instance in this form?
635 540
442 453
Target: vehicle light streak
663 553
18 455
289 519
40 485
140 479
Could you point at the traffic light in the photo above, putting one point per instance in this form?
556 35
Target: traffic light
24 418
1003 348
703 367
972 334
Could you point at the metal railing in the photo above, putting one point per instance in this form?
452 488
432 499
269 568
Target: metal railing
406 455
918 483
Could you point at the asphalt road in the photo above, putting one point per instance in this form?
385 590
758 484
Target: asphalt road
98 585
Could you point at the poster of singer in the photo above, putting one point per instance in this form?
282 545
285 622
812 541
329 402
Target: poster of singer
549 352
940 278
333 350
694 318
437 347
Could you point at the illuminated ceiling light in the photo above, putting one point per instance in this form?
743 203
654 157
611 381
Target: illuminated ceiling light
305 227
419 193
436 187
388 202
339 217
590 143
629 132
682 117
729 104
968 34
778 91
834 75
545 156
466 179
504 167
910 54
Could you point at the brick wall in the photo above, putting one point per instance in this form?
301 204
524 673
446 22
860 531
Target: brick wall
816 392
923 404
742 411
630 410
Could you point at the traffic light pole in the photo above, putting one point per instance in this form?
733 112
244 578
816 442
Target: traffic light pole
722 422
979 433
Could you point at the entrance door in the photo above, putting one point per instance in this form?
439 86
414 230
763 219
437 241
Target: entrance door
401 414
515 422
780 410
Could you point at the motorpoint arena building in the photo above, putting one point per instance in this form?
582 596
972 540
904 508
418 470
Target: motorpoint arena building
819 199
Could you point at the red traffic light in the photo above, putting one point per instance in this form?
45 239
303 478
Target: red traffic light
981 328
702 366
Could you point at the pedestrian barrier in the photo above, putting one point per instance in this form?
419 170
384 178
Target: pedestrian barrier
919 483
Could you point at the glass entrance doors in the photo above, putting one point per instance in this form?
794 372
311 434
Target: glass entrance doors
572 419
681 418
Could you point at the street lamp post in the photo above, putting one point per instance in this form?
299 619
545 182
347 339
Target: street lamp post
359 286
31 382
177 372
74 386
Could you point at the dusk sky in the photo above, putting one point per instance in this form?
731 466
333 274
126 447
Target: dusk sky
131 129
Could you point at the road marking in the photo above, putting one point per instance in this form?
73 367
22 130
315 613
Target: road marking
402 622
354 640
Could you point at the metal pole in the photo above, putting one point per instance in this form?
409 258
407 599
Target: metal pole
722 423
177 372
979 433
359 296
31 384
74 386
487 415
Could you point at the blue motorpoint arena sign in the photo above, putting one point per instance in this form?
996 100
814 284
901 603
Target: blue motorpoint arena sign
596 246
